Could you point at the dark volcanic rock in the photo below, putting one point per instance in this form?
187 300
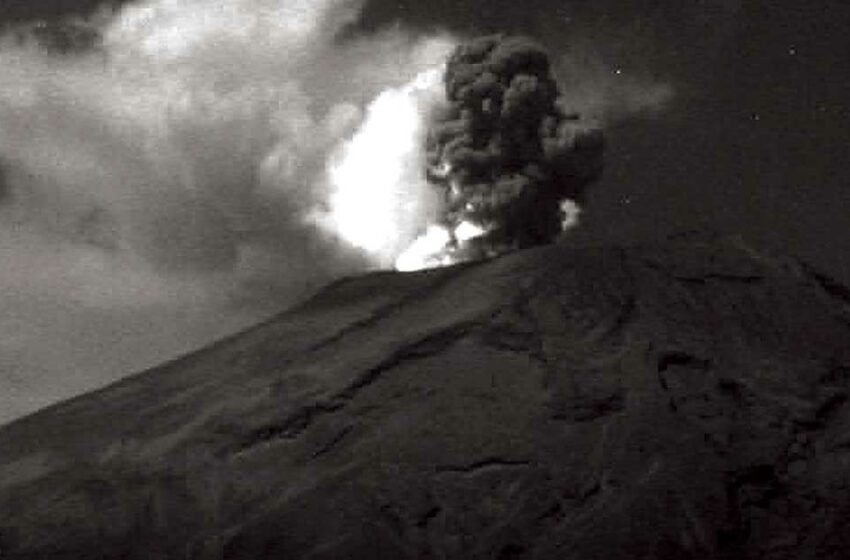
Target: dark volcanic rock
687 400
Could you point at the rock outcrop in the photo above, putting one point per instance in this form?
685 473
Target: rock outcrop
682 400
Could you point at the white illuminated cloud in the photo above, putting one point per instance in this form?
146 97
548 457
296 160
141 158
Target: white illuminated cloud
379 197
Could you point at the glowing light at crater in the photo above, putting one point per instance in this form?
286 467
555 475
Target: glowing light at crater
379 199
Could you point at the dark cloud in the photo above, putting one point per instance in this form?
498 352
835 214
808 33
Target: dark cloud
506 150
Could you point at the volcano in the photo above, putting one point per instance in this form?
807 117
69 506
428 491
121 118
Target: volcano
681 399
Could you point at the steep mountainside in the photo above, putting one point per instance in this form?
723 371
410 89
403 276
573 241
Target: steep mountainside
683 400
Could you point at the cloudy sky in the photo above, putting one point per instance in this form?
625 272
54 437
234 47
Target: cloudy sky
155 186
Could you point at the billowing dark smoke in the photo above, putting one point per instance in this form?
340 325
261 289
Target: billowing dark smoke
505 150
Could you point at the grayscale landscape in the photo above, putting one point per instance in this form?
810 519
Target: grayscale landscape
411 280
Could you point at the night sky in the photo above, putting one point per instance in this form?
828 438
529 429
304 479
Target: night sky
753 141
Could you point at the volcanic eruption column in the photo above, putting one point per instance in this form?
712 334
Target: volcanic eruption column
511 159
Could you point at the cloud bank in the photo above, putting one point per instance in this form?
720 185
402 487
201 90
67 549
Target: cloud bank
192 140
177 166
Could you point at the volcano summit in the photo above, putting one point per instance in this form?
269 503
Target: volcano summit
682 400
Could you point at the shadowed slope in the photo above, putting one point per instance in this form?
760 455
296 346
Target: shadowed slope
685 400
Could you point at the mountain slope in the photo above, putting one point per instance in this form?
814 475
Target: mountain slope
683 400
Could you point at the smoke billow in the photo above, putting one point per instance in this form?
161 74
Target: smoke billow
506 152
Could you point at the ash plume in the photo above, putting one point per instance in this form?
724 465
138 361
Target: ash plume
505 152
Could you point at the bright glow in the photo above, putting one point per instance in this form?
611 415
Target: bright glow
571 212
379 198
437 247
427 251
467 230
